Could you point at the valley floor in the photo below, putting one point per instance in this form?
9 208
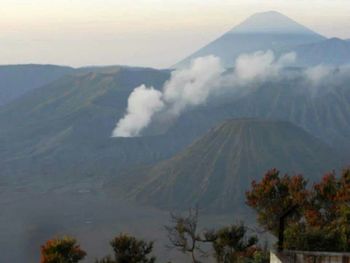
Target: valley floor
29 218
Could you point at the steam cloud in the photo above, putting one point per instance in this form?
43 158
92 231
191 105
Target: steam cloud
322 78
193 86
261 65
206 77
143 102
318 73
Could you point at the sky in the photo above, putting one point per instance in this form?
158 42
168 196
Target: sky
153 33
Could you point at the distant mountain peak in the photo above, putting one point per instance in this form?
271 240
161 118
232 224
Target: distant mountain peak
271 22
272 14
260 32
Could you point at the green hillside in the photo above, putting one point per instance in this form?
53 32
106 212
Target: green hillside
216 170
16 80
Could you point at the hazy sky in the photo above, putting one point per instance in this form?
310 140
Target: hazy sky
154 33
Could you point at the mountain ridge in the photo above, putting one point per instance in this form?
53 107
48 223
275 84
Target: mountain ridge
16 80
332 51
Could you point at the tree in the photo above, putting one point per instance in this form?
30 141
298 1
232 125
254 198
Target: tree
106 259
277 199
231 244
326 224
317 219
183 234
128 249
61 250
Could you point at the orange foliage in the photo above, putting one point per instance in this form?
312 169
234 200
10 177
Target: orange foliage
61 250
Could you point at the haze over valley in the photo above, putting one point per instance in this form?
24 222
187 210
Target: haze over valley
97 150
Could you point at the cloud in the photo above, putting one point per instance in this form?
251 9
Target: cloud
193 86
261 65
318 73
322 79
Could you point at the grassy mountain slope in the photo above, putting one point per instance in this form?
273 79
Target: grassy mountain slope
332 51
16 80
216 170
323 111
64 128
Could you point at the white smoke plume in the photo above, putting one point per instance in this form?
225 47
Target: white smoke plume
186 87
192 86
143 102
